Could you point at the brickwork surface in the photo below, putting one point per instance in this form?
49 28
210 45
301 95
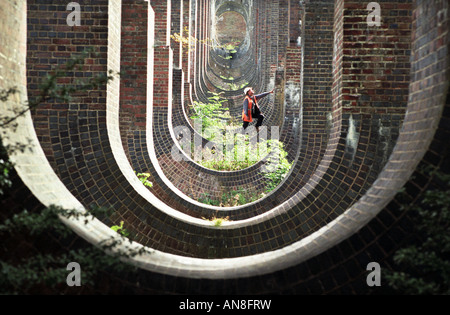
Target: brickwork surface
361 110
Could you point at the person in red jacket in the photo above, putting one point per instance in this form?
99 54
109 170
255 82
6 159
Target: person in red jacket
251 109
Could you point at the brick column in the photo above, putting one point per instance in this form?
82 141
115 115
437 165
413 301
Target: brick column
273 12
177 27
133 91
376 59
51 42
317 44
295 13
163 54
293 62
283 31
186 55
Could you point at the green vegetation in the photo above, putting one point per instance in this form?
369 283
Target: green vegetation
217 222
20 275
5 169
120 229
213 115
278 166
143 177
230 50
235 152
425 264
234 155
234 87
188 41
23 271
232 198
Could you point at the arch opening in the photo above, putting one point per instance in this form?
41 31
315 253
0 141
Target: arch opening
355 217
231 29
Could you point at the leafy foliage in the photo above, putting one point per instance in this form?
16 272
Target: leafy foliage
48 269
242 155
188 41
38 223
426 263
120 229
37 268
278 166
5 168
232 198
212 115
238 154
143 177
217 222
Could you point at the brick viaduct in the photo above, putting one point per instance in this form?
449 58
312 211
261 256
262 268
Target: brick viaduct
361 110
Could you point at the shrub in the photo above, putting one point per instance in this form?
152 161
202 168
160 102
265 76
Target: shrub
425 263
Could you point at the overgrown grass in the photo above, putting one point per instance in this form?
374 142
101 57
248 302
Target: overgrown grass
232 198
236 152
235 156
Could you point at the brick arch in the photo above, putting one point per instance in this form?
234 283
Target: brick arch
190 170
101 144
427 98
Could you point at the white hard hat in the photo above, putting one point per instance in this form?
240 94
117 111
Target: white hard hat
246 90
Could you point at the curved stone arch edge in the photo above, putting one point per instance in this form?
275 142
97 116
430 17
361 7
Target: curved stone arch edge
47 187
35 171
114 132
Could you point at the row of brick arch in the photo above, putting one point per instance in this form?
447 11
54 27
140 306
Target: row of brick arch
362 162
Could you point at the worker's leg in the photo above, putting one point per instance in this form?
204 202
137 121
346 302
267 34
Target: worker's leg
260 121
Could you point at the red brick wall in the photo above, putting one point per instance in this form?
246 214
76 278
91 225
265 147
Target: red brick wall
376 59
133 89
177 27
163 54
338 270
317 73
51 42
163 9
